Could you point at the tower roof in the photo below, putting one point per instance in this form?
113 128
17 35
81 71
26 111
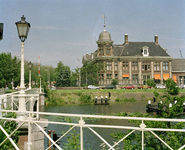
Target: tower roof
104 37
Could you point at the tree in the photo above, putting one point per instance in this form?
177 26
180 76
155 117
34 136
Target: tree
114 82
151 82
171 87
10 69
90 72
63 75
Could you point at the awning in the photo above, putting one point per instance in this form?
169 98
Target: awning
165 76
157 76
125 75
174 79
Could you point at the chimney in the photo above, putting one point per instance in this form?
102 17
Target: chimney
156 39
126 38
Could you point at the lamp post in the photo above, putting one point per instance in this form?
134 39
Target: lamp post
79 73
23 29
30 66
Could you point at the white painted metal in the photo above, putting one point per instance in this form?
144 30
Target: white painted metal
82 125
30 79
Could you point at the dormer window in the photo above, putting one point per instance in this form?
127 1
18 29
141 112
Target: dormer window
145 51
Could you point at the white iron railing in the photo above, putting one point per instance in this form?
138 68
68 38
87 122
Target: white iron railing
11 100
81 124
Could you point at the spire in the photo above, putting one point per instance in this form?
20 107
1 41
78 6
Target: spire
104 21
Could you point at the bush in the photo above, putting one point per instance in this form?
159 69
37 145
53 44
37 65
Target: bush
9 127
114 82
85 98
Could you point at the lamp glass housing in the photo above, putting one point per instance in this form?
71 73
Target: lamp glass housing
23 28
30 65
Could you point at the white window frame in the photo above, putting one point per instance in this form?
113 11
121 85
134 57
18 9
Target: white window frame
145 51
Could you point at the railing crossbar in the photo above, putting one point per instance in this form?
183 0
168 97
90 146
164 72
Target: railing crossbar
123 138
101 138
47 136
11 134
161 140
61 137
8 136
182 147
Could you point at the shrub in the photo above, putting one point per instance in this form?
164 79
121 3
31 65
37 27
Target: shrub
85 98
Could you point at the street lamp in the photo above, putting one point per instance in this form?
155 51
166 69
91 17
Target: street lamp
23 29
30 66
79 72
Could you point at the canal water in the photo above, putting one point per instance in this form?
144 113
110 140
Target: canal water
91 141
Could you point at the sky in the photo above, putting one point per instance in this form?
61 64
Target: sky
65 30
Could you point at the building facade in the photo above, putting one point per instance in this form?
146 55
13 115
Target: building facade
132 62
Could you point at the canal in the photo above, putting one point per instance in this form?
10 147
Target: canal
91 141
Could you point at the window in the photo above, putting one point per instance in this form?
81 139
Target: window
116 76
125 65
109 78
109 65
134 78
107 49
156 66
165 65
101 49
116 65
146 65
146 77
125 80
145 51
134 65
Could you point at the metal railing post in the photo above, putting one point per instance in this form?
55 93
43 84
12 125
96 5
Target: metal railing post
11 102
5 102
142 126
37 107
29 131
81 123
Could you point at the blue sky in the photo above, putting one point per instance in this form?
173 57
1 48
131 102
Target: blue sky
65 30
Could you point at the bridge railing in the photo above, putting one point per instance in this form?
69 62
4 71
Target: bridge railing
11 100
30 121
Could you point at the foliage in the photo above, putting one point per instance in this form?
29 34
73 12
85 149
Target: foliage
171 87
114 82
85 98
174 139
151 82
73 139
10 68
63 75
90 71
125 100
9 127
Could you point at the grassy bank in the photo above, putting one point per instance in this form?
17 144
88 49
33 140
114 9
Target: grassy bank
59 97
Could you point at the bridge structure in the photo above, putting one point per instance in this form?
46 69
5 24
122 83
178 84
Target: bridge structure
33 120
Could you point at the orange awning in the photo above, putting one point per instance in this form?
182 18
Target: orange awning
165 76
157 76
174 79
125 75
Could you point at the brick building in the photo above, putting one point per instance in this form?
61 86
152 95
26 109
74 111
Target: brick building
134 62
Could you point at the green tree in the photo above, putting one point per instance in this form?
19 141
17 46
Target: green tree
63 75
171 87
10 69
114 82
90 72
151 82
